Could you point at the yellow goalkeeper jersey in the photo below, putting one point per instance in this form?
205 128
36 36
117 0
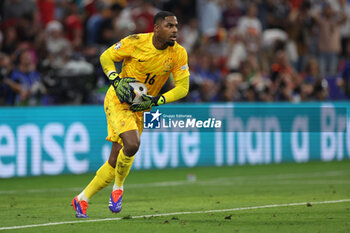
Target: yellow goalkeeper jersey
148 64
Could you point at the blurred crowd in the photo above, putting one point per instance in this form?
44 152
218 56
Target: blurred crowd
257 50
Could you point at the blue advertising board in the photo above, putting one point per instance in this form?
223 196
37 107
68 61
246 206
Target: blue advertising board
71 139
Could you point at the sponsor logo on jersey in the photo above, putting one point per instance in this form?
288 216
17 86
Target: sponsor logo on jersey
168 64
184 67
117 46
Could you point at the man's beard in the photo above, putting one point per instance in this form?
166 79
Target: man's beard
170 43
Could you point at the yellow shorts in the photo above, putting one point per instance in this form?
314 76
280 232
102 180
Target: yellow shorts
120 118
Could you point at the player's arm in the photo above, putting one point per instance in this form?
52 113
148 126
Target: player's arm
181 77
179 91
108 60
114 54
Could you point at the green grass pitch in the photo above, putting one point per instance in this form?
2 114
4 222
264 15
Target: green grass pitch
151 195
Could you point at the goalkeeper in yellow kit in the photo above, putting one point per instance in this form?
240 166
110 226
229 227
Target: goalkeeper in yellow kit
148 58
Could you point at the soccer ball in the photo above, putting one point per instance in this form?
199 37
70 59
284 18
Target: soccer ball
139 90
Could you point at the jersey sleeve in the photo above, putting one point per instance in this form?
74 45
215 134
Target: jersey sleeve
122 49
181 78
116 53
181 69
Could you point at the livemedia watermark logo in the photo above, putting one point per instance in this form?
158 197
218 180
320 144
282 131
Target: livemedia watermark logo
157 120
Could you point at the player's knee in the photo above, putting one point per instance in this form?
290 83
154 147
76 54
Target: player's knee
131 148
131 141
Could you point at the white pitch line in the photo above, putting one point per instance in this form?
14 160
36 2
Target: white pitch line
171 214
199 182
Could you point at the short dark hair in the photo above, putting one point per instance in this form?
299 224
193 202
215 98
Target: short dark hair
160 16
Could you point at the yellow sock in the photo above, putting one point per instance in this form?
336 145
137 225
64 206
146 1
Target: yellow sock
104 176
122 168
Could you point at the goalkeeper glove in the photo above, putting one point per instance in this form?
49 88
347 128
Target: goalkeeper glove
122 88
147 101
